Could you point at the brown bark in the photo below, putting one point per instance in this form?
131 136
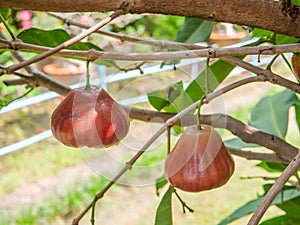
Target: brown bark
265 14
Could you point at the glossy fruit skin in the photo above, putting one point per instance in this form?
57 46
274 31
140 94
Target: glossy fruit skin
296 65
89 118
199 161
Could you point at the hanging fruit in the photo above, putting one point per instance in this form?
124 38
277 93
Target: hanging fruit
89 117
199 160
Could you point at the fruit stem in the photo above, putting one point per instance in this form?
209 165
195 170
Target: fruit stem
199 113
169 139
87 84
184 205
93 212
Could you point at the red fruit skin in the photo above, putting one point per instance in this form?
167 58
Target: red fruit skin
89 118
199 161
296 65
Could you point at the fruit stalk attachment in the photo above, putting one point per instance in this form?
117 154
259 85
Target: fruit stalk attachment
199 113
87 76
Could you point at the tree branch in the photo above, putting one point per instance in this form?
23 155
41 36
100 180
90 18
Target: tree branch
256 155
248 134
275 189
265 14
208 52
266 73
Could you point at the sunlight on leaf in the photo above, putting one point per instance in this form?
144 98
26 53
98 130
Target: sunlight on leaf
164 209
271 113
194 30
252 205
52 38
160 183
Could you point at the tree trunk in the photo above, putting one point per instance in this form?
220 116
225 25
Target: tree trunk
265 14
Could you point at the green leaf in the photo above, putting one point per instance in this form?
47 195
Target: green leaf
296 2
222 69
8 98
237 143
5 13
177 129
281 220
262 33
52 38
284 39
252 205
181 101
164 209
171 99
160 183
272 167
278 38
205 83
5 101
291 207
194 30
297 112
271 113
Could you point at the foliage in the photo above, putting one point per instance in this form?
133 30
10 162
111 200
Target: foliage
52 38
289 196
159 27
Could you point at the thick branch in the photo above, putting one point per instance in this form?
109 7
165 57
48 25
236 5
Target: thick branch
247 133
264 14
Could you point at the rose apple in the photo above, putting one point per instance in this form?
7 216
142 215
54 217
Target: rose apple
89 118
199 161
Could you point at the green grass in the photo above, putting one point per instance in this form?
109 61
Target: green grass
38 161
58 207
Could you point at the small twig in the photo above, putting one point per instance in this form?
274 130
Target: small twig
66 44
17 98
15 82
123 37
136 67
184 205
259 177
267 157
292 182
267 74
275 189
12 35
